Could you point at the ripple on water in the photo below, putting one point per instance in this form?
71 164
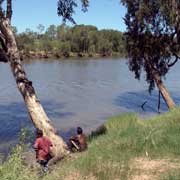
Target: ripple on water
78 93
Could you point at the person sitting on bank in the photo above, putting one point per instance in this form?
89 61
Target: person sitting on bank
42 147
78 141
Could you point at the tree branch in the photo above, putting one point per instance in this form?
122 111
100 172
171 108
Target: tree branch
9 9
159 101
142 106
175 61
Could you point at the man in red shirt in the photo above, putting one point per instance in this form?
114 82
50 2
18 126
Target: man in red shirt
42 147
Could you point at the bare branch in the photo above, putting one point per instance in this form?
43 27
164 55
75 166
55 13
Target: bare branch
175 61
9 9
159 101
142 106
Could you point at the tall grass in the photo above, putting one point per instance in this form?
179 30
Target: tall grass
109 154
14 168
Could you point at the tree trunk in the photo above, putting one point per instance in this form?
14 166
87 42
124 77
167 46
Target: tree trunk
164 92
36 111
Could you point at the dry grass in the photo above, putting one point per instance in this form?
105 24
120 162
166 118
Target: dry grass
148 169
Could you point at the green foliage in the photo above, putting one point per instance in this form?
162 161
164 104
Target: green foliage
172 176
152 37
51 32
25 136
78 39
66 8
40 28
14 167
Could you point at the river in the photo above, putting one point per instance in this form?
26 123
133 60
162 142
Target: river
78 93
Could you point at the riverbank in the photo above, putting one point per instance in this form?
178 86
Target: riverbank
58 55
130 148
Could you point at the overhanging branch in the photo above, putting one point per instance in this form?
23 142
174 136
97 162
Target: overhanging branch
175 61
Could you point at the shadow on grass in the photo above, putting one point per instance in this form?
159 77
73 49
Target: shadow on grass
99 131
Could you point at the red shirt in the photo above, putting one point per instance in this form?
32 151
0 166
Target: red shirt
42 145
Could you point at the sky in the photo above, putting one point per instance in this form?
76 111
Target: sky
104 14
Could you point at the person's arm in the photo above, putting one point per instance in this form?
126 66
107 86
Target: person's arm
50 148
71 138
50 145
74 138
36 148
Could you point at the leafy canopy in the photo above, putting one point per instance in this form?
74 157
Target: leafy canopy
152 37
66 8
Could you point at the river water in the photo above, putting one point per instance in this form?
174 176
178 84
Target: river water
78 93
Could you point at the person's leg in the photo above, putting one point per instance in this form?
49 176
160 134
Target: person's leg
70 145
44 165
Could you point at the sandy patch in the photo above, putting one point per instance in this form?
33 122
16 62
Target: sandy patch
147 169
77 176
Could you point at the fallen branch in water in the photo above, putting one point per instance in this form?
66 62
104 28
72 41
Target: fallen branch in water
142 106
159 102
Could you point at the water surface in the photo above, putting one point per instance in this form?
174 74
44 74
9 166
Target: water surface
78 93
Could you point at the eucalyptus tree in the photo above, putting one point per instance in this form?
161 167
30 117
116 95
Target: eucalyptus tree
25 86
40 28
51 32
153 40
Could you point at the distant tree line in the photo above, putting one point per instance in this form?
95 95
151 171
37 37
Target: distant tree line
64 41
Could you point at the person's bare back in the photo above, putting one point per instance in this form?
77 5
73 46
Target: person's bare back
82 141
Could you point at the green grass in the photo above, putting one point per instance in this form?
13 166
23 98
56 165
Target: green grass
109 154
14 168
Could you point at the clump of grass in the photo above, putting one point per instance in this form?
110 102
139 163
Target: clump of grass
175 175
14 167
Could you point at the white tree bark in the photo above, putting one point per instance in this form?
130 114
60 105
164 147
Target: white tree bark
35 109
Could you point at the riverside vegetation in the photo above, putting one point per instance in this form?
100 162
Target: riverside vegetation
65 41
127 148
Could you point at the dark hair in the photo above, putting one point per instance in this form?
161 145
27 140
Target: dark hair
79 130
39 132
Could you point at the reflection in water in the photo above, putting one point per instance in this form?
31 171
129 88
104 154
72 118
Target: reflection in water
77 93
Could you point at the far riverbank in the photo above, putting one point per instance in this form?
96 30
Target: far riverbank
50 55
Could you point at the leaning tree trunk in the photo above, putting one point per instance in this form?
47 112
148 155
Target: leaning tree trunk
164 92
35 109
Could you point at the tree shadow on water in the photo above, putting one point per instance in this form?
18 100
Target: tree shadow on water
133 101
56 110
14 117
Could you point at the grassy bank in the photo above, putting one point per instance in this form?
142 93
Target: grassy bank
130 148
